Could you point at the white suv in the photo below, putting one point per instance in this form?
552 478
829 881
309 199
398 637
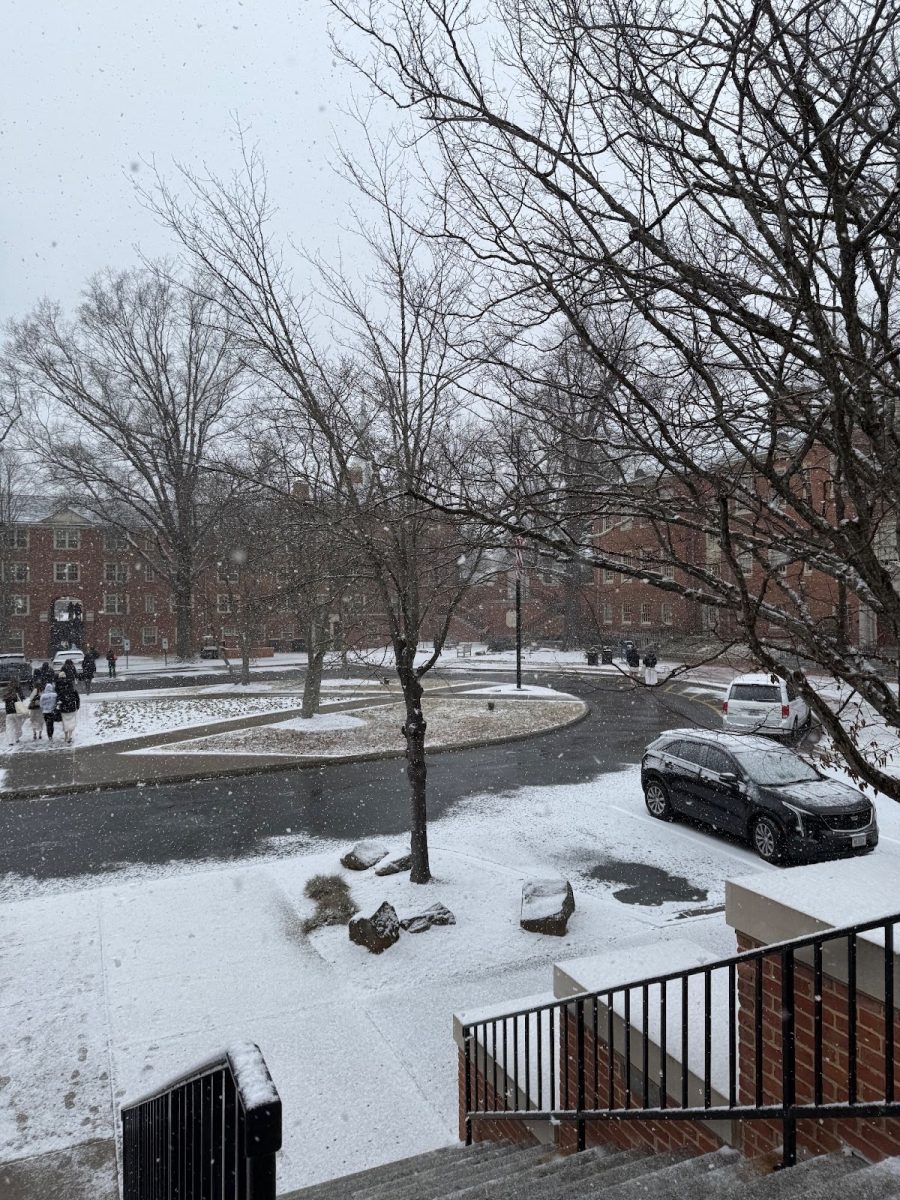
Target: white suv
765 704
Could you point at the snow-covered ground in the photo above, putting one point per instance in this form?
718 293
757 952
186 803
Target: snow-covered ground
107 990
375 730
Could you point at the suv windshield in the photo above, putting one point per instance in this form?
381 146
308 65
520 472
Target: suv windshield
775 769
761 692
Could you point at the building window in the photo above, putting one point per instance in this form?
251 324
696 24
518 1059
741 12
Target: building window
668 570
607 521
807 567
20 606
778 560
66 539
149 573
116 636
745 562
607 614
666 613
228 575
115 572
66 572
609 575
113 602
148 635
149 604
15 572
15 640
113 540
625 522
223 603
15 538
646 614
713 549
229 633
627 614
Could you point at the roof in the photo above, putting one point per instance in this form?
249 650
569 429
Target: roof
756 677
731 741
37 510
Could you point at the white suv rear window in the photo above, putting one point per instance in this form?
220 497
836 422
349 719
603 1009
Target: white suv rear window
764 693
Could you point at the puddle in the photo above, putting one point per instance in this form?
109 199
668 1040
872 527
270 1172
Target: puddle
647 885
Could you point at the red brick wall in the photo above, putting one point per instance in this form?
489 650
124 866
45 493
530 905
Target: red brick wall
874 1139
484 1129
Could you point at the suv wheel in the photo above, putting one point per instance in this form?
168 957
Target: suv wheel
767 839
657 800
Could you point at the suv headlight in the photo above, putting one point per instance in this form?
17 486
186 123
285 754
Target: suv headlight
801 816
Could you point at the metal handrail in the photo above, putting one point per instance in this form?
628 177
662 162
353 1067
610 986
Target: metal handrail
589 1055
212 1132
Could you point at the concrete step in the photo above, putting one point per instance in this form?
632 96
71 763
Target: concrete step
695 1178
878 1182
398 1169
447 1178
818 1178
83 1172
540 1179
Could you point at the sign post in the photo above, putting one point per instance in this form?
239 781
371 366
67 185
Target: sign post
165 646
126 646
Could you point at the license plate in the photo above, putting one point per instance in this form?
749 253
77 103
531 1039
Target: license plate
858 839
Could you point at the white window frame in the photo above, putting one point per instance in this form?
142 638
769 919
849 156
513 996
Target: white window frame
607 614
16 572
627 613
120 604
153 637
21 606
149 604
66 539
646 613
665 613
115 572
63 572
223 603
113 540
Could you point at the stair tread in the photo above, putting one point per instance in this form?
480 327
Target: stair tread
455 1176
386 1171
697 1173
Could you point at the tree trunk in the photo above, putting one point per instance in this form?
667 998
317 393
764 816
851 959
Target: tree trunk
316 646
245 657
416 766
184 648
571 631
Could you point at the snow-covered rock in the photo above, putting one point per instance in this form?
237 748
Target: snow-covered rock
394 865
437 914
362 856
377 932
547 905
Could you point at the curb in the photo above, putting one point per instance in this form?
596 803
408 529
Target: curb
59 789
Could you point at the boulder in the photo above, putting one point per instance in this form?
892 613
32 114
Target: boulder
394 865
362 856
437 914
547 905
377 932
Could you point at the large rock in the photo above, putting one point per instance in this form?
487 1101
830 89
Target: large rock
377 932
362 856
547 905
437 914
394 865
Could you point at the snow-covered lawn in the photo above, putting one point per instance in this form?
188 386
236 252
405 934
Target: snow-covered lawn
108 990
377 730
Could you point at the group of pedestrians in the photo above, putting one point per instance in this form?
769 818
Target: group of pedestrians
52 699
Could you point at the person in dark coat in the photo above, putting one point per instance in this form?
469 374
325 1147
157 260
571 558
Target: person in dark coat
88 671
111 662
650 661
69 671
68 703
45 674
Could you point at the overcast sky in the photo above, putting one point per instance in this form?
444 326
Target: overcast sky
89 88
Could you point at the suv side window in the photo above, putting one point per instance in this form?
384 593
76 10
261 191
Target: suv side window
720 762
692 752
791 691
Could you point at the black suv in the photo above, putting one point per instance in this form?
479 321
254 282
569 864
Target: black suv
748 787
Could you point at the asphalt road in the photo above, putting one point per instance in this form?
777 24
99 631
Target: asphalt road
90 834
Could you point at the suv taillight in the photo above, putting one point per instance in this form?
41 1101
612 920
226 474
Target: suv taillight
724 706
785 710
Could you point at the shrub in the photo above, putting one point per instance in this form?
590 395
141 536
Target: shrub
334 904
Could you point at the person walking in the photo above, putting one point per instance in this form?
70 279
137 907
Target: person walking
44 674
70 671
111 662
12 698
35 716
48 707
650 661
68 703
88 671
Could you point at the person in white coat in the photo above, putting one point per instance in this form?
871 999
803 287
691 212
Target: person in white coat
48 708
13 697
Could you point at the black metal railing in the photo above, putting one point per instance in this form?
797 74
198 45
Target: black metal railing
211 1134
801 1029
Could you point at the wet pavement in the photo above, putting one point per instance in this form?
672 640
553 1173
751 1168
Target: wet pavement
647 885
93 833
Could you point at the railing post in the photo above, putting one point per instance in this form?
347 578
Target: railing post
261 1177
788 1059
467 1057
579 1076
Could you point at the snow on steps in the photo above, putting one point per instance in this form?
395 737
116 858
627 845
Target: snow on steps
506 1172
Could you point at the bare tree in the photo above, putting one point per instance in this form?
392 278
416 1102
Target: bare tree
13 564
372 423
127 403
722 182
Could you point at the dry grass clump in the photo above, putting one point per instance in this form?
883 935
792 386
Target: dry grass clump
334 904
